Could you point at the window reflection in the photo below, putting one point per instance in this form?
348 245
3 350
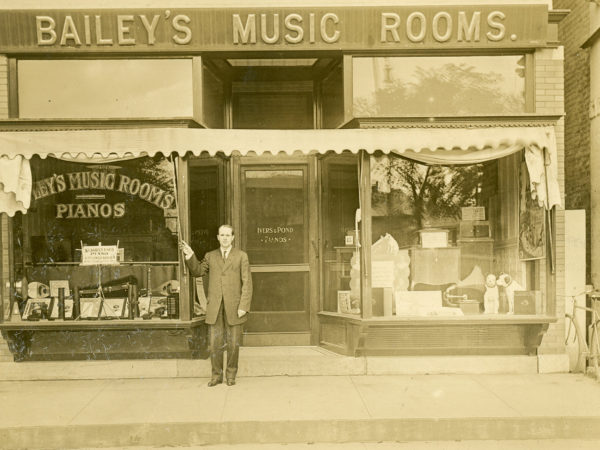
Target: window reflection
407 196
432 241
438 85
117 88
129 202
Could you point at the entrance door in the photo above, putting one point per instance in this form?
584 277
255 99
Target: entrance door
275 231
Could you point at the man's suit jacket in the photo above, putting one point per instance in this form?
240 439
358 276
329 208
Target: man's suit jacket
229 281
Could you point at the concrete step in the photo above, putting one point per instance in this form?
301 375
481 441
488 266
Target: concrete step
546 444
5 353
156 435
270 361
290 410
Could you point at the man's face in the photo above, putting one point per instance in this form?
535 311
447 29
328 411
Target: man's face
225 237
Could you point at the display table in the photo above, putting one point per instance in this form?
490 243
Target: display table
413 336
106 339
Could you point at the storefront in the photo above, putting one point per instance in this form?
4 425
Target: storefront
377 163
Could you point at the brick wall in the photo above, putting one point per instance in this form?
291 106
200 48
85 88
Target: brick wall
550 99
573 31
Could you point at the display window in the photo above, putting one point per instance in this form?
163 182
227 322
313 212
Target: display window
340 204
439 237
106 233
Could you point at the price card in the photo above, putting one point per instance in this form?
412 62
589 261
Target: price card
99 255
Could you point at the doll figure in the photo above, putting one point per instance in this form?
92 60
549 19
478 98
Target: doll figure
510 286
491 300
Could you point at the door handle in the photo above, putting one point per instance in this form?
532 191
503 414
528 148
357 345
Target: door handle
315 248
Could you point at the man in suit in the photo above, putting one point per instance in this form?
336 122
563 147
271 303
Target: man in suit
228 301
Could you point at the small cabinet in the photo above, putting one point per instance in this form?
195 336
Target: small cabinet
476 252
435 266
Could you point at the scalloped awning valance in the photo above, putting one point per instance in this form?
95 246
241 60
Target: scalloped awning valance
428 145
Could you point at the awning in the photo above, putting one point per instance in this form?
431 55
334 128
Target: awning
429 145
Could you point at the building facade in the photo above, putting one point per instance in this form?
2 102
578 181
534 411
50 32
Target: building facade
395 172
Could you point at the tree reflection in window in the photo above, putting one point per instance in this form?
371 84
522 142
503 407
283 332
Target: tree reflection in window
407 196
439 86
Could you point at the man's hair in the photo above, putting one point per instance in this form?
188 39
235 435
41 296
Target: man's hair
226 225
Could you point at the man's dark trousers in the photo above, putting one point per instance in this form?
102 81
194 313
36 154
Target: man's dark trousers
223 335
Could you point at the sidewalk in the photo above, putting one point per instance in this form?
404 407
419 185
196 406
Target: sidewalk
307 409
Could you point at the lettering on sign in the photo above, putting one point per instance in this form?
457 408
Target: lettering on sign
220 29
89 210
275 235
87 30
443 27
292 28
99 180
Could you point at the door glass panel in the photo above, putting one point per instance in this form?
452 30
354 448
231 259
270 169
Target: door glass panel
204 208
279 291
275 218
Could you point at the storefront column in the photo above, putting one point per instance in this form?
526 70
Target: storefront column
183 203
365 234
595 148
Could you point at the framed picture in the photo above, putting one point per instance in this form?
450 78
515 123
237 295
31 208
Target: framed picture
344 302
56 284
153 305
532 222
68 308
36 308
89 308
113 307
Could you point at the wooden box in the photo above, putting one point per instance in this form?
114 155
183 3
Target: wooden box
469 306
474 229
527 302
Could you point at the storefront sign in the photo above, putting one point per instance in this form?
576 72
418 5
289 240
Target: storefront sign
99 255
301 28
99 181
275 235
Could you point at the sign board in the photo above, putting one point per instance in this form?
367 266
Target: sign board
382 274
99 255
259 29
473 213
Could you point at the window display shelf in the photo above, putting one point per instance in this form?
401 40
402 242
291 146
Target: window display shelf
116 324
438 320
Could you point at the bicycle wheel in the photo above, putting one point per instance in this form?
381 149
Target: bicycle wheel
581 344
594 346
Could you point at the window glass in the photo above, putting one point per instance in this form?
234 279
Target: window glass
114 88
394 86
432 238
213 101
332 98
275 216
339 202
130 202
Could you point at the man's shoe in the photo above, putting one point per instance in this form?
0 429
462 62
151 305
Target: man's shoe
230 382
214 382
